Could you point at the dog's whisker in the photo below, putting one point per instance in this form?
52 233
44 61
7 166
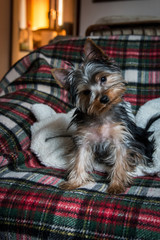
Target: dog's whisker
58 136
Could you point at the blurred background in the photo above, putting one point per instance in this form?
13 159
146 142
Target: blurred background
29 24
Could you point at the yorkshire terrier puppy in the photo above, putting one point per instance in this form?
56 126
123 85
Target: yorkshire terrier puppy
104 131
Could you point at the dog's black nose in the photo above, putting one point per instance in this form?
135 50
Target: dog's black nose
104 99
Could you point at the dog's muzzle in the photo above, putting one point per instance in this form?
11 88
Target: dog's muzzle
104 99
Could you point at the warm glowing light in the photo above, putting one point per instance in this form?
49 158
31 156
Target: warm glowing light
60 12
39 14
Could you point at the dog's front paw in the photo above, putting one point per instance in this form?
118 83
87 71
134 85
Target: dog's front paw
68 185
75 183
115 189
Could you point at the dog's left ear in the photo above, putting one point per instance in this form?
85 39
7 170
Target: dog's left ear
60 76
92 51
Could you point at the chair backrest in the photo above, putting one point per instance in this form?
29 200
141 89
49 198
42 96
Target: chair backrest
147 28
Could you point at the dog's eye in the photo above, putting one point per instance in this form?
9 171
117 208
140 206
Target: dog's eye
103 79
86 92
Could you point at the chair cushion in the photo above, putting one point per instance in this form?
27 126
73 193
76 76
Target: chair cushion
31 204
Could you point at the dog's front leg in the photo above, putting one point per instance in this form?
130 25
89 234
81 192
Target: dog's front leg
119 175
78 170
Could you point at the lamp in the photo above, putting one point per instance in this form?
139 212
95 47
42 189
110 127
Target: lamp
56 14
38 14
42 21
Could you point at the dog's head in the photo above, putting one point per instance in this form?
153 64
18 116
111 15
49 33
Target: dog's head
96 85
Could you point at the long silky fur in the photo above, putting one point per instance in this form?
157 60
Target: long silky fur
105 132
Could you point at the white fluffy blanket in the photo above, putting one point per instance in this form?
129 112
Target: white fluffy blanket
51 136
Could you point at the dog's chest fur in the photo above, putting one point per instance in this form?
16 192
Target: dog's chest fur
99 132
107 131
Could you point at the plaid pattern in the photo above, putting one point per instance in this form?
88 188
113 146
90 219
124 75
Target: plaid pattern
31 204
137 56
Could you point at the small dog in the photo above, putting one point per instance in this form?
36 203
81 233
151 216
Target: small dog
104 131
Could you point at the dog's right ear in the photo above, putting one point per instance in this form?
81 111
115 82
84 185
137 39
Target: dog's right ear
92 51
60 76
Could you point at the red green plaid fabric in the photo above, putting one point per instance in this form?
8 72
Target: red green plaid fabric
31 204
137 56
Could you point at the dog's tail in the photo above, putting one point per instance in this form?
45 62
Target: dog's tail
148 139
151 121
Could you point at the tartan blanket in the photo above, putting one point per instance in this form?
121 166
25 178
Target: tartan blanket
32 206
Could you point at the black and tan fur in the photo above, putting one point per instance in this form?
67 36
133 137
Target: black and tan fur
104 131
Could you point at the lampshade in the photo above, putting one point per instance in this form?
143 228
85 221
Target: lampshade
39 14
